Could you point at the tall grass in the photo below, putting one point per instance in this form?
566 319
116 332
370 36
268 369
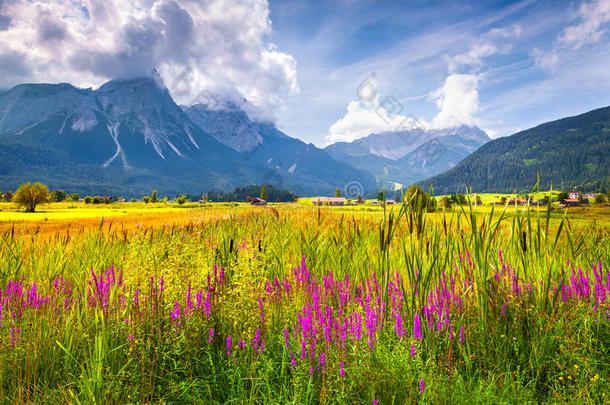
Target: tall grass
307 305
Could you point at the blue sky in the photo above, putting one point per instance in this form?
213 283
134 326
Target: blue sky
529 73
329 71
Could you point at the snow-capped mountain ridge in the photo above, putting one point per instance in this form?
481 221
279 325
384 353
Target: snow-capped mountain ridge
130 135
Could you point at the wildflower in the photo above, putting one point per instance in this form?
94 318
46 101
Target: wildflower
210 335
228 345
130 338
416 327
413 350
342 371
422 386
462 335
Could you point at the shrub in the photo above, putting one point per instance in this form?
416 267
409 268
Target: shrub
88 200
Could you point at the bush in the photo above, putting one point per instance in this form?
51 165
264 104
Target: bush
181 200
58 195
146 199
8 196
75 197
30 195
88 200
416 197
600 198
446 202
96 200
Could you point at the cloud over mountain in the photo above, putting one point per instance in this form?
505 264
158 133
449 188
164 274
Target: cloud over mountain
195 46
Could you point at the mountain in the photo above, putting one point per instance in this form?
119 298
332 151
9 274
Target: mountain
129 137
406 157
566 152
282 155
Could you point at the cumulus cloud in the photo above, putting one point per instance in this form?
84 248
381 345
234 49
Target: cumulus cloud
362 119
593 16
195 46
458 101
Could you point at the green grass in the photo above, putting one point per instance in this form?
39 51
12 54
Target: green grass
90 344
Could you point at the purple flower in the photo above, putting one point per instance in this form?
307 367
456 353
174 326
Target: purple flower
413 350
211 335
416 327
228 345
422 386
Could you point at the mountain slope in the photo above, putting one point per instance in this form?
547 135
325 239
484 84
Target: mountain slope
289 162
408 156
129 137
568 152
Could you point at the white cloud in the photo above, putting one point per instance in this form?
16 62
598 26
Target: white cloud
362 120
195 46
458 100
545 59
594 16
472 58
365 118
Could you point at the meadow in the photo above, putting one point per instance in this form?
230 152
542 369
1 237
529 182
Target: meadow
297 304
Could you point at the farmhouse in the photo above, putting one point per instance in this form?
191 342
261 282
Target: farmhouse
569 202
258 201
335 201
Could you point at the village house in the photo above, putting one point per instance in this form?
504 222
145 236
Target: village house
258 201
334 201
569 202
573 196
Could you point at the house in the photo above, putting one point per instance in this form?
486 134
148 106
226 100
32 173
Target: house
574 196
334 201
390 202
569 202
590 196
258 201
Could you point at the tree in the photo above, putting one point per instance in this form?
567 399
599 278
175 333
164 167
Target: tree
600 198
88 199
381 196
75 197
562 196
205 198
337 192
146 199
8 196
58 195
416 197
264 192
153 197
96 200
30 195
181 200
477 200
446 202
